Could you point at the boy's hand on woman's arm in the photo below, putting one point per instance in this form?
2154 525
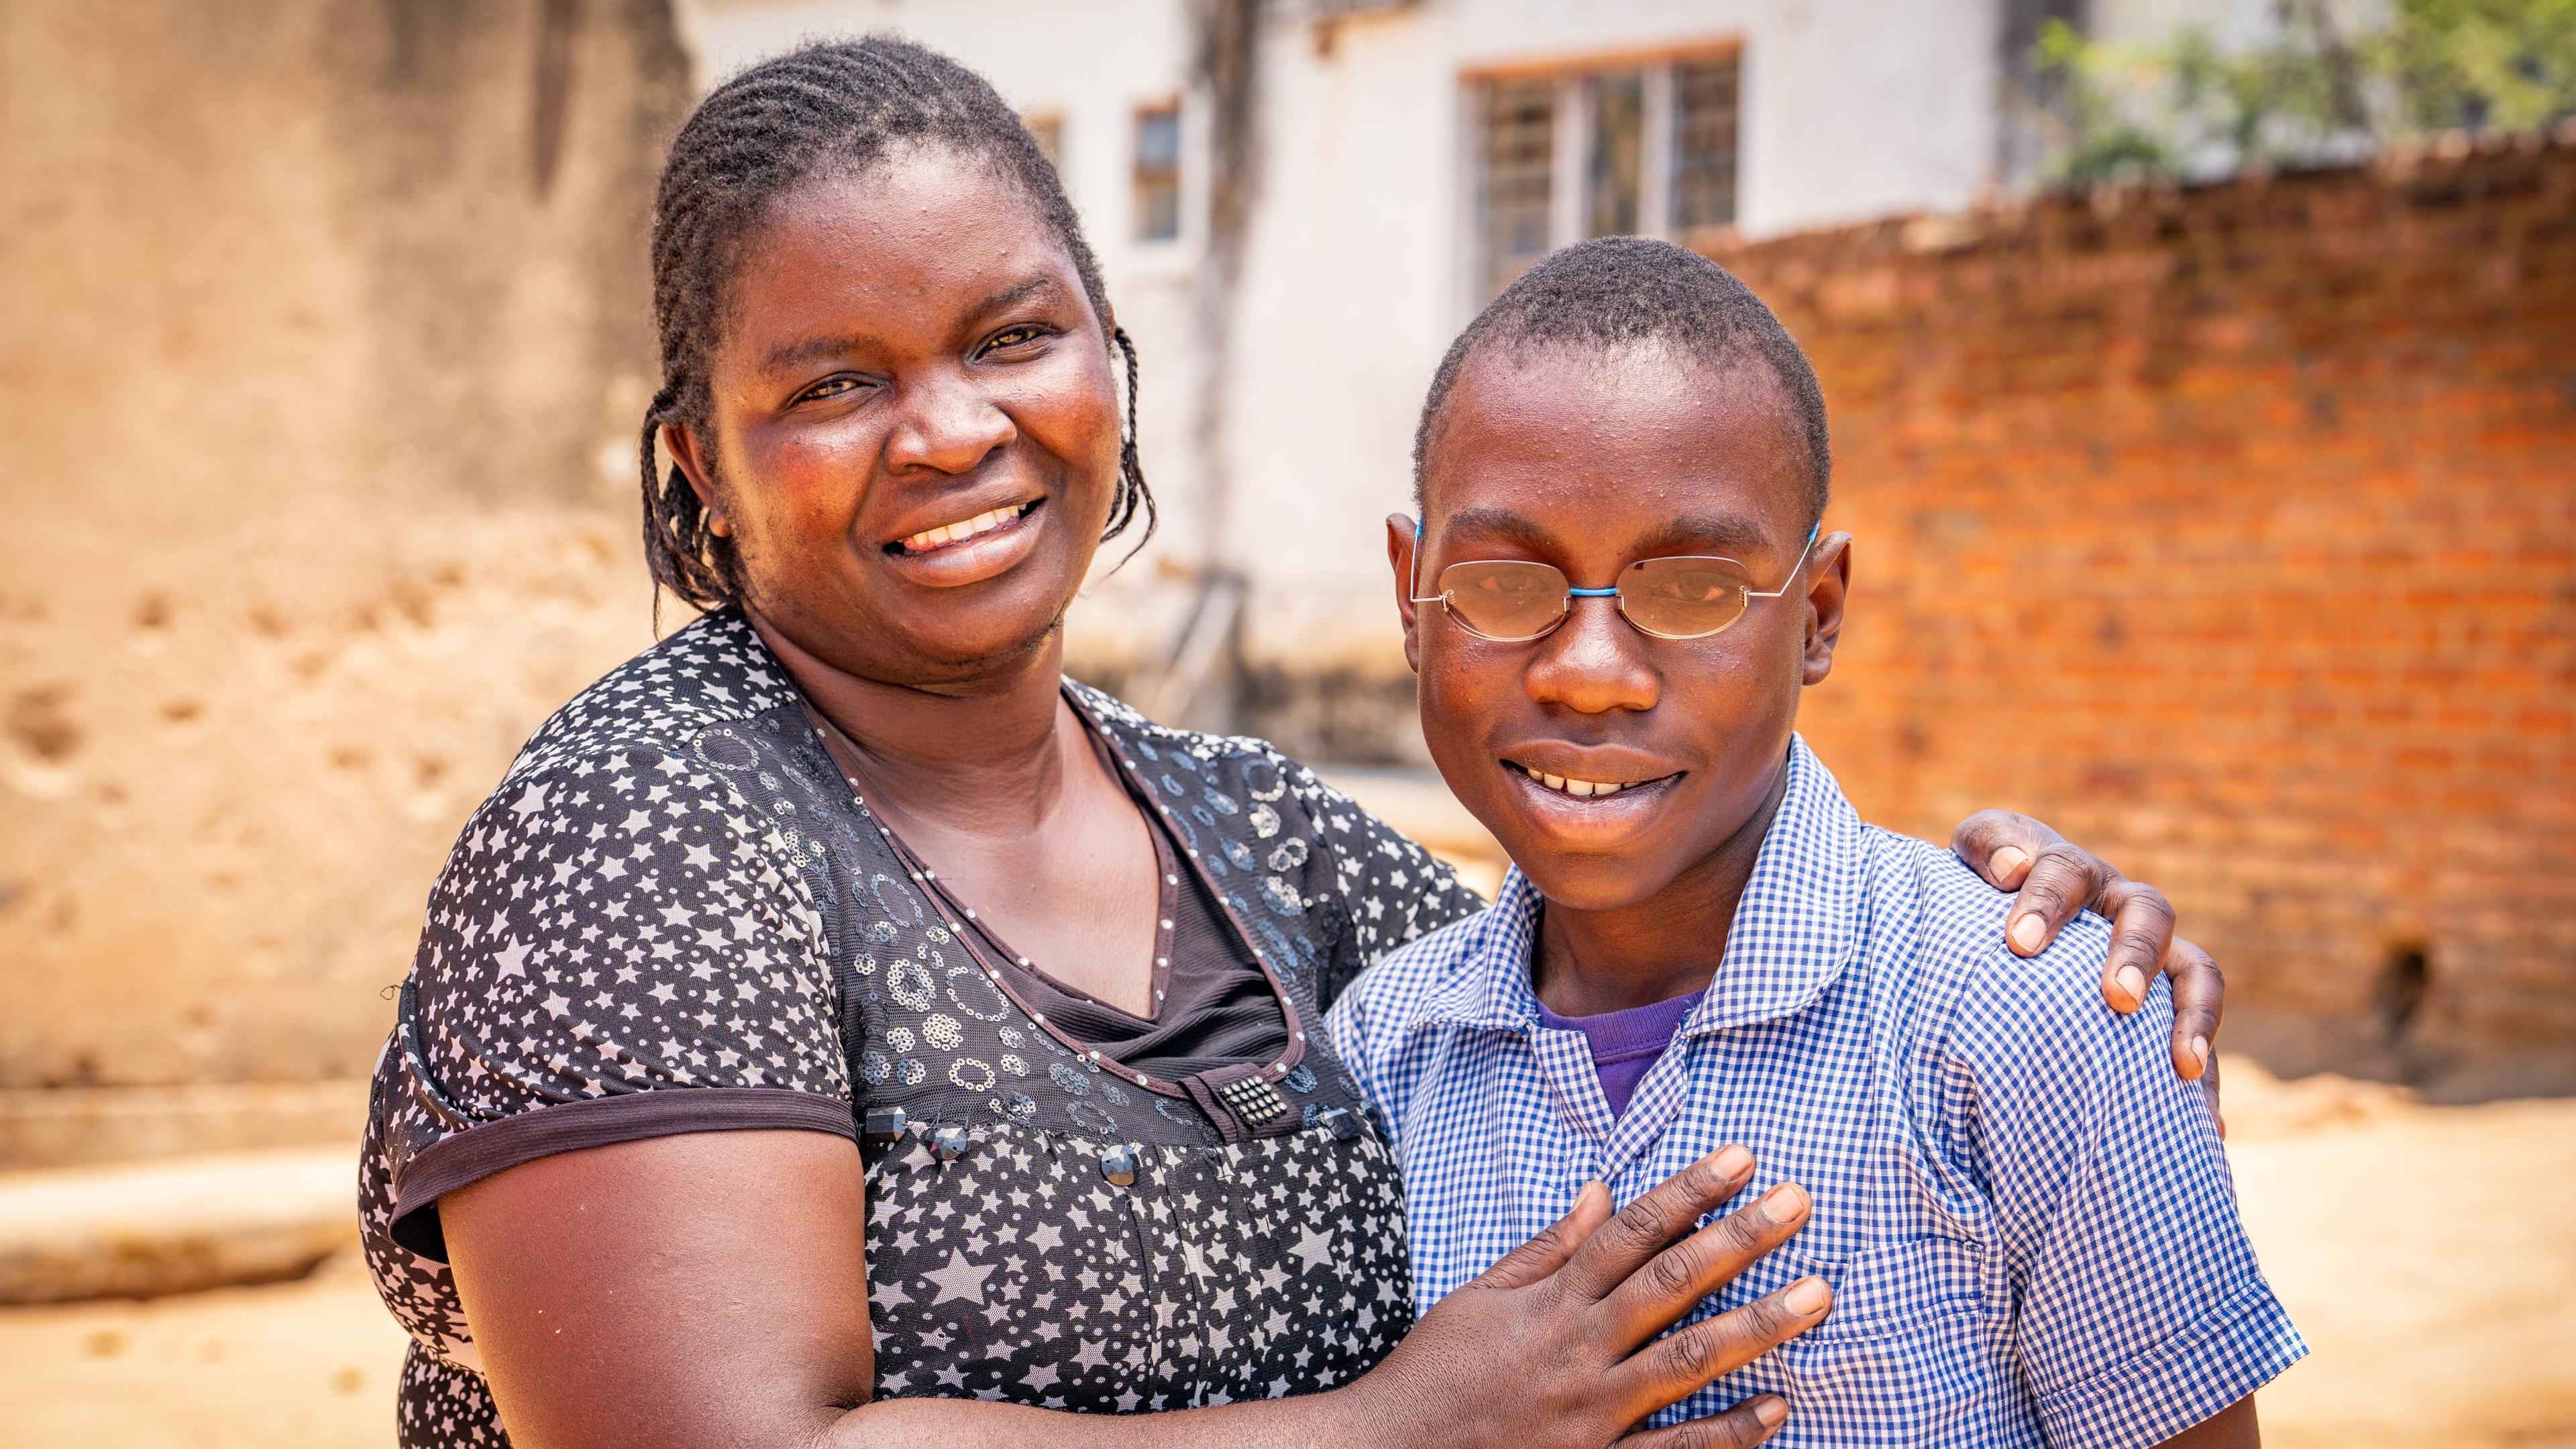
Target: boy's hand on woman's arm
2056 881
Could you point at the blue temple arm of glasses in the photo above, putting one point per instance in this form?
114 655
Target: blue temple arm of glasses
1810 547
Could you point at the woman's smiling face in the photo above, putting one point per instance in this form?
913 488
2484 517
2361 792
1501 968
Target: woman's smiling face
913 427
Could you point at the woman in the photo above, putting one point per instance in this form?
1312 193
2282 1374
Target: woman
836 1018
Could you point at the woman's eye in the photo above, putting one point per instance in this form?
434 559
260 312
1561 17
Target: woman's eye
829 387
1019 336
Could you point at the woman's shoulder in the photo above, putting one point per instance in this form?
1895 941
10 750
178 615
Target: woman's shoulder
1393 889
712 673
1226 764
694 753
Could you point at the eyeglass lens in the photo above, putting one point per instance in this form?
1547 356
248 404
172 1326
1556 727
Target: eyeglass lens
1505 599
1676 598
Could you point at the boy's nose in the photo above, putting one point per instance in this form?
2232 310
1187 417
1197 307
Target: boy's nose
1593 663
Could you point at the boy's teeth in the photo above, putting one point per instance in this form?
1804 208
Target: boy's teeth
984 522
1580 789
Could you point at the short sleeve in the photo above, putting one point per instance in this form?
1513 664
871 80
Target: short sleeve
2142 1310
618 948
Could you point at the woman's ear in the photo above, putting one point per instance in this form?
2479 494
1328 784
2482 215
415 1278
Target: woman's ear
682 445
1401 538
1828 588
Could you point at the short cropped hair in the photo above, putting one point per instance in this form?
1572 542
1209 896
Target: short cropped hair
1621 290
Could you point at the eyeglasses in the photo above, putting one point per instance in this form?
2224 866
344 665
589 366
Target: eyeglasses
1512 601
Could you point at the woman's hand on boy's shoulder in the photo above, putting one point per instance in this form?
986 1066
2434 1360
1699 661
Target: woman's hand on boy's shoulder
2055 881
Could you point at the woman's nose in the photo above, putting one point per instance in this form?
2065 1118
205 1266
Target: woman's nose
947 425
1593 663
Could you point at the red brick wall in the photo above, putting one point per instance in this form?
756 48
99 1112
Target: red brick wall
2230 530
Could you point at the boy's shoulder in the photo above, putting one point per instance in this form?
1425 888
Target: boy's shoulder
1937 946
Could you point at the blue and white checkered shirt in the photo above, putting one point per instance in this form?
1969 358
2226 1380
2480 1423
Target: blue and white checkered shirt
2027 1220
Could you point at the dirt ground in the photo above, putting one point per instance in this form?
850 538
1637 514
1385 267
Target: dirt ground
2428 1253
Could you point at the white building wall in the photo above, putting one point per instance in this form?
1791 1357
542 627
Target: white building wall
1356 271
1359 271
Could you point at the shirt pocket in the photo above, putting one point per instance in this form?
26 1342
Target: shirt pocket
1909 1346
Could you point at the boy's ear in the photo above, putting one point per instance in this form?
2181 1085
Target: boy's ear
1828 589
682 446
1399 556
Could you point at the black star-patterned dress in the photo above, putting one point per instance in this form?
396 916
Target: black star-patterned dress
677 915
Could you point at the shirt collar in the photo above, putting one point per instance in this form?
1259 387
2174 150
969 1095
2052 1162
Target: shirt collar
1797 928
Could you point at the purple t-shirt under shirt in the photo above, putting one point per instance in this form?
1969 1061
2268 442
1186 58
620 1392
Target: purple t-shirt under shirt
1625 1043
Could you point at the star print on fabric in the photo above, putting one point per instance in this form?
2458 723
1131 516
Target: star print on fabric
960 1279
1315 1247
672 889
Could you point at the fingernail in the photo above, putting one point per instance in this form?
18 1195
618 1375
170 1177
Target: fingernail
2028 932
2200 1051
2133 983
1730 1161
1783 1204
1772 1412
2007 860
1808 1298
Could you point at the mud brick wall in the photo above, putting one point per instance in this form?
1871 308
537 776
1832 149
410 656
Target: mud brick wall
2233 529
322 356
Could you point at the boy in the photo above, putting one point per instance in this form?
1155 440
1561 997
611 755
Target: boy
1619 592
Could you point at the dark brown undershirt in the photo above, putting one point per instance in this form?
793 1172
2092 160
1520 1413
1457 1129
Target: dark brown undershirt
1216 1008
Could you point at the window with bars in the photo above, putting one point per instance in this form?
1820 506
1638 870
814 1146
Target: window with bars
1158 173
1519 155
1703 144
1637 148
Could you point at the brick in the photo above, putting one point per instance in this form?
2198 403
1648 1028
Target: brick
2229 528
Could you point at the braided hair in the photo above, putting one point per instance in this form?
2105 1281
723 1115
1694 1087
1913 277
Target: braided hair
821 110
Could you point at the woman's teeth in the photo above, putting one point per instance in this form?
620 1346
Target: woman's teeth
960 532
1580 789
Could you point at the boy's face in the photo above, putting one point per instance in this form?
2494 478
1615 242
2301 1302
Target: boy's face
1590 463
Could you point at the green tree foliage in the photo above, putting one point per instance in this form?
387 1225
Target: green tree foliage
2326 86
2476 63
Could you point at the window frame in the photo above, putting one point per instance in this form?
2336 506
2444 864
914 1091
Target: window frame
1572 139
1137 115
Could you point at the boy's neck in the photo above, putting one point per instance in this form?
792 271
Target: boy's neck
1585 963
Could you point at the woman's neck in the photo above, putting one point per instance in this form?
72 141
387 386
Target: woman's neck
988 758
